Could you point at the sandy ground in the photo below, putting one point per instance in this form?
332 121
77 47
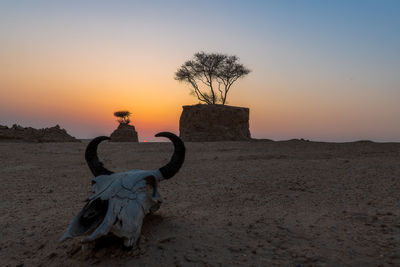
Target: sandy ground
233 203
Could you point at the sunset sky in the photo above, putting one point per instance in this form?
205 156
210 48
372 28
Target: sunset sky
321 70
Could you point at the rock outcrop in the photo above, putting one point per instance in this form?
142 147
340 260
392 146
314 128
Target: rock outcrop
124 133
199 123
28 134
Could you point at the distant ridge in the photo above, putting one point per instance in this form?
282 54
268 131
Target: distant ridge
18 133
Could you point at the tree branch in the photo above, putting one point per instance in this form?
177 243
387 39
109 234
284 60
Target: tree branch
208 69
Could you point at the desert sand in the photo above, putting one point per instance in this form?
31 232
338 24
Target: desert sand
232 204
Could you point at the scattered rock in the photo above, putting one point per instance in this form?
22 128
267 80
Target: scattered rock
124 133
52 255
199 123
74 250
168 239
18 133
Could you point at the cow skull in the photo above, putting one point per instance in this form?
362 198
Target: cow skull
120 201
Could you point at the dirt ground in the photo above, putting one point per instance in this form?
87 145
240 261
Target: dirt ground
289 203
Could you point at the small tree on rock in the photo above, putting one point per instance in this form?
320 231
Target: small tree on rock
123 116
211 76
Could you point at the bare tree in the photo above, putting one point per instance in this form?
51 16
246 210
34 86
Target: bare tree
123 116
211 76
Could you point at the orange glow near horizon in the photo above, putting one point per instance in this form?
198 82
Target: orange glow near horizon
156 104
90 100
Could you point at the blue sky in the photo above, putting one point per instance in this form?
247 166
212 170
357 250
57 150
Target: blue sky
323 70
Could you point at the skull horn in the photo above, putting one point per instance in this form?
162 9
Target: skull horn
177 158
92 159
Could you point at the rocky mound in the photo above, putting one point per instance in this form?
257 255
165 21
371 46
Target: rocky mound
124 133
200 123
18 133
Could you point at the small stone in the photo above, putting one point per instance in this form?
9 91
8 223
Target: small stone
168 239
52 255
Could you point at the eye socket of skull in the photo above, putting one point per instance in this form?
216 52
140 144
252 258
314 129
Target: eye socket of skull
151 183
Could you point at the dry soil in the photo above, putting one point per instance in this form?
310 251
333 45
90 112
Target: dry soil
289 203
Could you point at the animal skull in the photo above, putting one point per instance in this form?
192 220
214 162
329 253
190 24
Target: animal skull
120 201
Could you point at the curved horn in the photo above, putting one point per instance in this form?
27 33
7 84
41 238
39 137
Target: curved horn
92 160
177 158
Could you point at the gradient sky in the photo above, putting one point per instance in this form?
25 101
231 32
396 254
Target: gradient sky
321 70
